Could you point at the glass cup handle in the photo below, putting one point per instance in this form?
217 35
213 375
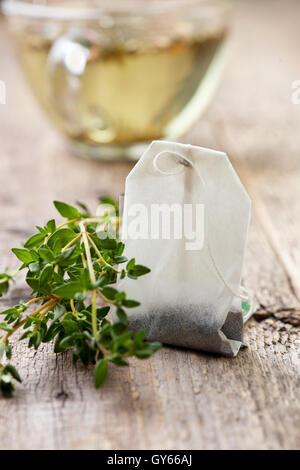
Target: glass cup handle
66 65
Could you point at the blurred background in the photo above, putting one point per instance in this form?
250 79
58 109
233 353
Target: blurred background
102 79
115 75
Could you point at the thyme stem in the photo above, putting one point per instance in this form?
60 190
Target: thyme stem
72 242
51 304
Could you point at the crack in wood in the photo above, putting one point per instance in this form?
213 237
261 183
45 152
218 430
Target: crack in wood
290 315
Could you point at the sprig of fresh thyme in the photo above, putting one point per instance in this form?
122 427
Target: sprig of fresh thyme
72 269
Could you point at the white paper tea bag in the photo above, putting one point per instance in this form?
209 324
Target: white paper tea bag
186 217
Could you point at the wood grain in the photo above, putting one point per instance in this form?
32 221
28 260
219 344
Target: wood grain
178 399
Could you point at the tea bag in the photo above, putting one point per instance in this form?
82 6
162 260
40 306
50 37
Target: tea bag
186 217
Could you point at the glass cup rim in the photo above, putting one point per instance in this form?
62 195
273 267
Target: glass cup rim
42 11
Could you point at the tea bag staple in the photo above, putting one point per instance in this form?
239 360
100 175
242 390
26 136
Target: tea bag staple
192 298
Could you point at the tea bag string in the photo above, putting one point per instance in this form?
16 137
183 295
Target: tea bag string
187 162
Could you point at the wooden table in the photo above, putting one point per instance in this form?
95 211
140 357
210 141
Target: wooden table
178 399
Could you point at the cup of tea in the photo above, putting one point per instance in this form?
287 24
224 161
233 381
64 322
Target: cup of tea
115 75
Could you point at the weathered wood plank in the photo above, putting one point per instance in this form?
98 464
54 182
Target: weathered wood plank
178 399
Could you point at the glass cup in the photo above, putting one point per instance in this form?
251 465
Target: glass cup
115 75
